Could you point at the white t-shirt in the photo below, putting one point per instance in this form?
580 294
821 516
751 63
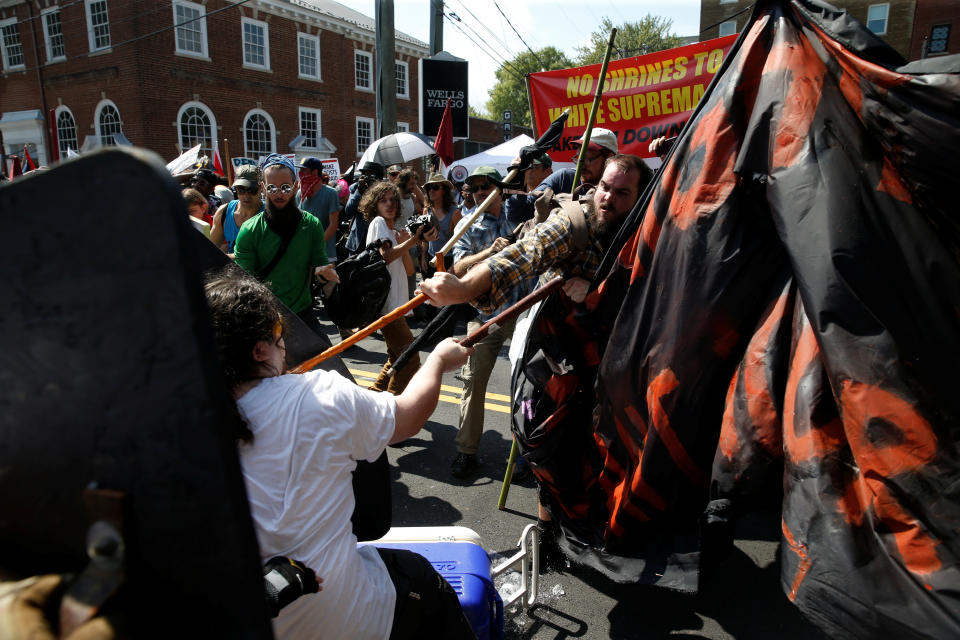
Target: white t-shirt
398 295
309 430
407 210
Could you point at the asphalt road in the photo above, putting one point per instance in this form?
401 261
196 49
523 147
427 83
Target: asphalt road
742 598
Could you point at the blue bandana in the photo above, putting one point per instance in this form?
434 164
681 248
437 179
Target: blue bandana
276 158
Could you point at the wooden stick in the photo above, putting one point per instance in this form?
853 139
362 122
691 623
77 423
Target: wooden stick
228 169
512 312
399 312
593 109
479 211
508 476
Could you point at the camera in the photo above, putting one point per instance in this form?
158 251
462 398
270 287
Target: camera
425 220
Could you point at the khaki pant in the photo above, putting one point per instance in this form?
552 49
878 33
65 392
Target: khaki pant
397 335
476 374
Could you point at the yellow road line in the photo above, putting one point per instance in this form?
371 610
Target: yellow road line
365 379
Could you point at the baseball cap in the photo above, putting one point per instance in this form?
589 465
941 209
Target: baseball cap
486 172
311 163
601 138
247 176
543 160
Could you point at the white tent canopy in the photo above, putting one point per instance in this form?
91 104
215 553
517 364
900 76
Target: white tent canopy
498 157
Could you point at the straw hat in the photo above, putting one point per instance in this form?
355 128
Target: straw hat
436 178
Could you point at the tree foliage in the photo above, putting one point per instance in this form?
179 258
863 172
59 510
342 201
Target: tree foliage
510 91
649 34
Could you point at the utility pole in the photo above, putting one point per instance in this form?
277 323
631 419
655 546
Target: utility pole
386 69
436 27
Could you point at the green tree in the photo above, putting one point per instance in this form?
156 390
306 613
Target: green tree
649 34
510 91
477 113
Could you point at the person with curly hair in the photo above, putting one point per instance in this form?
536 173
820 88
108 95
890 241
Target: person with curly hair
301 438
380 206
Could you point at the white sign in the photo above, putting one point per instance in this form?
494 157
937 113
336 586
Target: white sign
184 161
332 168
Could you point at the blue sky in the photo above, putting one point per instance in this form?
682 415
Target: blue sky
564 24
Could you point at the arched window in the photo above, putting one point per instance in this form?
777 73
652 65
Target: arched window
66 131
197 126
258 134
108 122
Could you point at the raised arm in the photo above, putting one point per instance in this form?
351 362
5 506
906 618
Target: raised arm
419 399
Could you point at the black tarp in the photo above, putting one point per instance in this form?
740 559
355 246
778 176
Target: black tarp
785 305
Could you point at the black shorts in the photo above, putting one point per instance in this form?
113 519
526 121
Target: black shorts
427 606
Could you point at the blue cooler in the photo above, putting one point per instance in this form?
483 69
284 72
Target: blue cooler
466 567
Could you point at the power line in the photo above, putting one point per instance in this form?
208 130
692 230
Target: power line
543 66
453 18
474 32
506 66
484 25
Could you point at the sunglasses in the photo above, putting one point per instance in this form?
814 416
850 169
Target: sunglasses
431 187
589 158
485 186
393 174
243 190
285 188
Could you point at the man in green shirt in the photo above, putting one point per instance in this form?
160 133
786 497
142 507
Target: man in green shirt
283 227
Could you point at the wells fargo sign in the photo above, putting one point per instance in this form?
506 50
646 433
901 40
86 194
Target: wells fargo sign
643 97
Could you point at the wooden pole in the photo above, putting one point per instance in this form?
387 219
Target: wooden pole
593 109
479 211
227 161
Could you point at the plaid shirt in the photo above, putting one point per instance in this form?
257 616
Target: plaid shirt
477 238
546 251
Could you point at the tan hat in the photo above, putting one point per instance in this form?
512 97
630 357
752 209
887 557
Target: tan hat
601 138
436 178
247 176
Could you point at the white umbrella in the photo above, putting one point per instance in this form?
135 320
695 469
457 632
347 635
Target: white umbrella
397 148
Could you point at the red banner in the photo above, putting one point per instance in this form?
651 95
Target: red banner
643 97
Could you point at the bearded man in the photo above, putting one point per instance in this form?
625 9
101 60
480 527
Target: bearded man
284 246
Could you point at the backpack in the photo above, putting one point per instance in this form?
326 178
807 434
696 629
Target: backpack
357 300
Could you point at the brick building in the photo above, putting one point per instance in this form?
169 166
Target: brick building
903 24
257 76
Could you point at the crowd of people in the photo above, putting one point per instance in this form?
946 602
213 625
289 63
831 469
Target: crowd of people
287 228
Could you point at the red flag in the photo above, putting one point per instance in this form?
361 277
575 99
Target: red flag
27 159
15 170
217 165
444 142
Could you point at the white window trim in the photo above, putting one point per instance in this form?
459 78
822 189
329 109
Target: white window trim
213 122
205 51
723 24
56 120
316 41
406 75
886 18
319 113
273 131
405 127
46 37
266 45
91 38
369 57
356 132
96 117
3 45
